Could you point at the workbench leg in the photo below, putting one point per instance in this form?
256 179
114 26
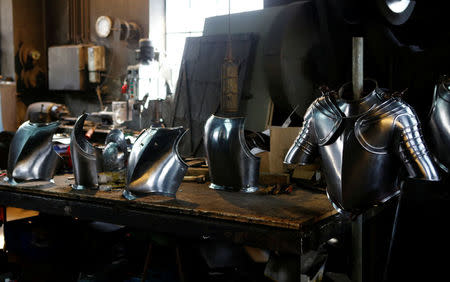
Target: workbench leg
2 228
147 262
357 249
179 266
371 235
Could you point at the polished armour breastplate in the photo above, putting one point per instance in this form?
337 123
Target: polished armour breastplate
362 145
231 164
439 122
31 154
154 165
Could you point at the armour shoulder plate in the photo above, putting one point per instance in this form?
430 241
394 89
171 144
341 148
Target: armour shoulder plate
375 129
328 117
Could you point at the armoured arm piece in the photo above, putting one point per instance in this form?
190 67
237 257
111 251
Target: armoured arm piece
412 149
154 165
31 154
304 149
84 157
395 120
438 123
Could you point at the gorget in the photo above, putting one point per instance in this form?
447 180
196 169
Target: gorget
115 153
231 164
363 144
439 124
154 165
84 157
31 153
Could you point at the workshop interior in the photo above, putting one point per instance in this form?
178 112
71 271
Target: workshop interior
224 140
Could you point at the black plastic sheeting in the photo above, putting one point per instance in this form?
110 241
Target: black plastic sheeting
419 246
198 90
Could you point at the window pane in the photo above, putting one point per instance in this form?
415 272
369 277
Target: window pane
175 48
185 18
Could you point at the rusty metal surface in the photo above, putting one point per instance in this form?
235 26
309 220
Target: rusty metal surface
292 211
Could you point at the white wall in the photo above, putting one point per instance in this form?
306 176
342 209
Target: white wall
6 39
157 29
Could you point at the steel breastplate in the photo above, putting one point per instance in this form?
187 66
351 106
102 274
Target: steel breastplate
356 177
84 157
360 165
438 123
231 165
31 155
362 151
154 165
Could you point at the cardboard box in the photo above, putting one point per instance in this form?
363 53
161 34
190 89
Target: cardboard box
281 139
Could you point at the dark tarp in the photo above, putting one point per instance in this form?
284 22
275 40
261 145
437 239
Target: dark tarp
199 84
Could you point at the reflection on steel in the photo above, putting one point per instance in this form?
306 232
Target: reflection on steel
84 157
398 6
231 165
114 159
439 124
31 154
115 153
154 165
363 144
396 12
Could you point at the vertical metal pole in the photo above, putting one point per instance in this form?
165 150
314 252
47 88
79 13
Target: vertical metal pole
357 67
357 249
357 225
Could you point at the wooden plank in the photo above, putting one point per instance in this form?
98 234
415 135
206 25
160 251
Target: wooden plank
266 237
293 211
8 100
271 222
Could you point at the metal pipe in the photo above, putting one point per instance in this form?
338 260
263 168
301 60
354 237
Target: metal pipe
357 248
357 67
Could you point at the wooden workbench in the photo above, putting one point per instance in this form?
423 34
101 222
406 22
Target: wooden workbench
276 222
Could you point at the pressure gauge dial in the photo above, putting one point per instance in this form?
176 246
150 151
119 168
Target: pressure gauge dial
103 26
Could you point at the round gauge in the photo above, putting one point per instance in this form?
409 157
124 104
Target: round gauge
103 26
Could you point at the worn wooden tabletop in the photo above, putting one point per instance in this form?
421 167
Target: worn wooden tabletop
287 211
